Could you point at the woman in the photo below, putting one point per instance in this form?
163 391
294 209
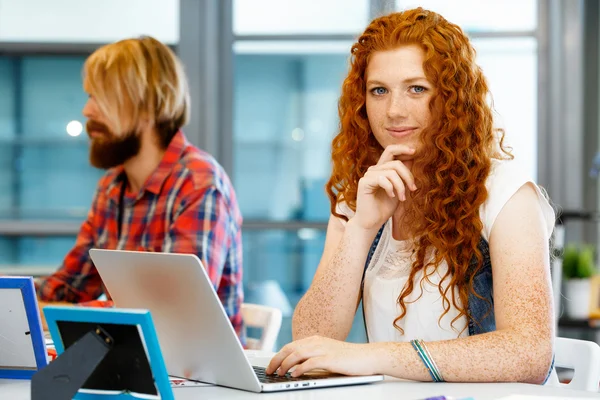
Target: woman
424 201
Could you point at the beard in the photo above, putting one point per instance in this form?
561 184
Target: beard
108 150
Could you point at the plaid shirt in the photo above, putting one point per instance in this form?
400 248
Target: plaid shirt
187 205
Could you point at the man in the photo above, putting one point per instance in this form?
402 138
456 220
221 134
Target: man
159 193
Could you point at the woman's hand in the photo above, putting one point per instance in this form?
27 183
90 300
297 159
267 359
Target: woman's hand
383 187
319 352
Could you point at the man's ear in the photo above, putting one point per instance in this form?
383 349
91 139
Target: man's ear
145 121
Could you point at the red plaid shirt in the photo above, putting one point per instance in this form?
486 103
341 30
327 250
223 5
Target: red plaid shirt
187 205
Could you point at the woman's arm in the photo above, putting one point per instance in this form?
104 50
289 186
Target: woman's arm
328 307
521 348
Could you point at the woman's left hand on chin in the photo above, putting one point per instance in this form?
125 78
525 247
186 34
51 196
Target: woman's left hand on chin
319 352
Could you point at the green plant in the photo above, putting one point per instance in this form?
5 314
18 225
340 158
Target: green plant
578 263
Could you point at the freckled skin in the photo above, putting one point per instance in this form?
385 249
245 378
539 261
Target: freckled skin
340 279
519 351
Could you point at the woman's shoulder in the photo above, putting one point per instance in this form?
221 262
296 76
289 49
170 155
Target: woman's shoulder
505 179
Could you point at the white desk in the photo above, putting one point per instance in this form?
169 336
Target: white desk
388 389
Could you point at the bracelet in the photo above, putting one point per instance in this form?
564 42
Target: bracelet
435 367
422 356
430 363
425 355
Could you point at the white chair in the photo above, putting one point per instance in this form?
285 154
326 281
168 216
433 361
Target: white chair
268 319
583 357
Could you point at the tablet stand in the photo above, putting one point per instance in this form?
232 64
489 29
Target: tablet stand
64 376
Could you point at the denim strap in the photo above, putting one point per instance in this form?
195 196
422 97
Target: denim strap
362 282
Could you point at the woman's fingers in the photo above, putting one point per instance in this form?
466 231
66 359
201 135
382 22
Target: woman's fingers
290 361
399 185
394 151
388 180
402 171
309 365
384 183
278 358
293 354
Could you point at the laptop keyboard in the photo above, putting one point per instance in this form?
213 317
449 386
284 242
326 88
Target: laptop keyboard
264 378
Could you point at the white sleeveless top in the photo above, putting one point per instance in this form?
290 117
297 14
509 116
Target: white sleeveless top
390 267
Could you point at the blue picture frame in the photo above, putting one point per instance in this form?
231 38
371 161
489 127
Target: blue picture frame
141 318
26 286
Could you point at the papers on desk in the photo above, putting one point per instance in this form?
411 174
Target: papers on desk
524 397
180 382
449 398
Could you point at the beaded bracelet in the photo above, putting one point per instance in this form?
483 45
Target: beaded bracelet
425 356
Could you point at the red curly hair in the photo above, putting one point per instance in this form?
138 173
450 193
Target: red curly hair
455 153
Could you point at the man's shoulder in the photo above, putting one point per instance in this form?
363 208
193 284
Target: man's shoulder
197 172
201 169
109 178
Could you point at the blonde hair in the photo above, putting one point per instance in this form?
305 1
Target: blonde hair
139 78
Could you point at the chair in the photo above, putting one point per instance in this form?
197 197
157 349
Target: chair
583 357
267 319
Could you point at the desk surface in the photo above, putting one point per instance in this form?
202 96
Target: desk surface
390 388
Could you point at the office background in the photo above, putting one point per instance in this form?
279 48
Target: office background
265 76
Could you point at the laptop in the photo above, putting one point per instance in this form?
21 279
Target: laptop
196 337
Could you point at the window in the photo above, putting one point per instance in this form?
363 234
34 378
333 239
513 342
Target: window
510 66
45 169
290 60
274 17
36 255
74 21
482 15
285 116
